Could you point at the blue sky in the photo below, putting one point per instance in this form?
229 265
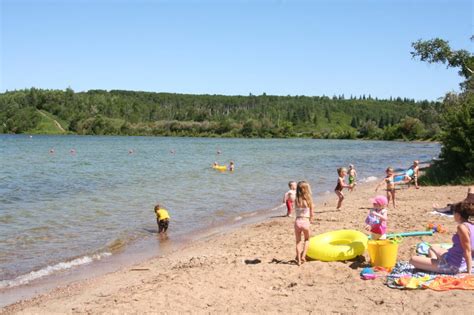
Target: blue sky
231 47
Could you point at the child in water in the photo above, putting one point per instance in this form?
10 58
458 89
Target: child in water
377 218
231 166
352 176
342 172
289 198
162 219
304 211
390 182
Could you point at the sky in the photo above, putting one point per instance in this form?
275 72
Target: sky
276 47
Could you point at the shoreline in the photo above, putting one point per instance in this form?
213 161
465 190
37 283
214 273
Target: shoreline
214 268
217 137
139 250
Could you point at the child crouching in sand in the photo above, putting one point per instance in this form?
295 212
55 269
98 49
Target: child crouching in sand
304 216
377 219
162 219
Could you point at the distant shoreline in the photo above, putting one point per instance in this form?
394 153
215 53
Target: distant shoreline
121 112
216 137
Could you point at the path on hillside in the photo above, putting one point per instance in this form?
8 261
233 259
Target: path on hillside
55 121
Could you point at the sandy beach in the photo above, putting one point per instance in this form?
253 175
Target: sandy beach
251 270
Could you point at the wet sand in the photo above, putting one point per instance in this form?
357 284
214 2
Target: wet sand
251 270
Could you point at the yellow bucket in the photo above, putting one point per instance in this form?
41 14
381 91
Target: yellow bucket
382 253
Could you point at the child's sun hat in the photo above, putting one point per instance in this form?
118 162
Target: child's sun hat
380 200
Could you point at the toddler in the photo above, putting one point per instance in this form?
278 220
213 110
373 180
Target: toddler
342 172
377 218
162 219
289 198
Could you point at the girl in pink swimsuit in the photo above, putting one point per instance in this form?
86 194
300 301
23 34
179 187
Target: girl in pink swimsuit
304 217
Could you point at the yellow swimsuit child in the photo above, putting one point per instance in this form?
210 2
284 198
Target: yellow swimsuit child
163 219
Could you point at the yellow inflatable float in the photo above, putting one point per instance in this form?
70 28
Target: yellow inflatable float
337 245
220 167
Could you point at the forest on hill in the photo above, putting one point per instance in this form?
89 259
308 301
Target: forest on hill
117 112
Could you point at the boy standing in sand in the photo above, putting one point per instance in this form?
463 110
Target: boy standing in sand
162 219
289 198
352 176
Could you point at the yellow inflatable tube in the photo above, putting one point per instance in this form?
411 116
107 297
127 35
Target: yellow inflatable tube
337 245
220 167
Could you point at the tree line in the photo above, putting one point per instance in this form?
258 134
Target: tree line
118 112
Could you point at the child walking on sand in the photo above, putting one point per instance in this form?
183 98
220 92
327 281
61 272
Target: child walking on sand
342 172
352 176
304 210
289 198
162 219
377 218
389 181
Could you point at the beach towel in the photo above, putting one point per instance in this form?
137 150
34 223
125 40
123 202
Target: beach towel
445 283
405 276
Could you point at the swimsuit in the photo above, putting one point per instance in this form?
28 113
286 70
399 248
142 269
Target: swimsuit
454 260
302 219
351 180
390 183
290 202
338 186
163 225
377 225
162 219
162 214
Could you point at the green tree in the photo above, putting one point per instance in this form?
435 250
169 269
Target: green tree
438 51
457 153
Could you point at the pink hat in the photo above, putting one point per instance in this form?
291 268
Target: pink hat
380 200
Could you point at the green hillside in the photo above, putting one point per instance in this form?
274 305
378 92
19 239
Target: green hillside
119 112
48 124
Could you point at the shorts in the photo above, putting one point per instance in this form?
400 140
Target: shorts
163 225
445 267
289 206
302 224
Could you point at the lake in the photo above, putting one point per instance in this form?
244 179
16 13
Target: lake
69 200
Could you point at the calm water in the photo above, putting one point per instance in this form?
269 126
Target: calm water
63 209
